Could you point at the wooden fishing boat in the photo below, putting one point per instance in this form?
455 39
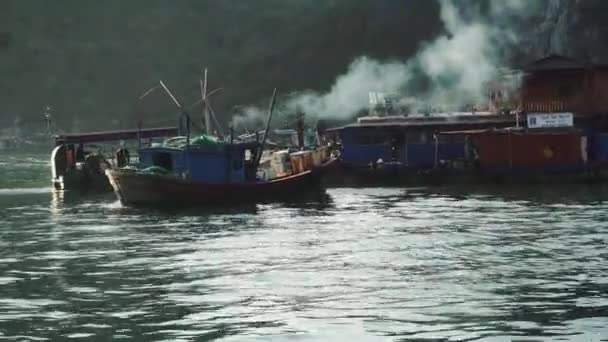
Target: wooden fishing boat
134 187
207 170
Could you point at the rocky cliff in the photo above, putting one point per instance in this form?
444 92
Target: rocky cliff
90 60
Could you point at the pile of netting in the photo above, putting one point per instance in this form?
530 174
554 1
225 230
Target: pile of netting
201 140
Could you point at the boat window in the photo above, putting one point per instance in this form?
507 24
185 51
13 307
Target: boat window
371 139
419 137
163 160
424 137
248 155
451 139
362 139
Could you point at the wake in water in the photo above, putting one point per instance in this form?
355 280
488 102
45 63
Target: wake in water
103 205
25 191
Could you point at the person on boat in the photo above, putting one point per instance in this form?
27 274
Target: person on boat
374 164
95 164
122 157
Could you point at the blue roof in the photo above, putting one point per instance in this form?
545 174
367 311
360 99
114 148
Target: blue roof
433 120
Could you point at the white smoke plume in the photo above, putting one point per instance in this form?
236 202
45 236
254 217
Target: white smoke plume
248 119
350 92
454 69
460 64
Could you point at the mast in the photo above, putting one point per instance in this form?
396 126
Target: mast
220 131
182 109
270 109
206 114
188 123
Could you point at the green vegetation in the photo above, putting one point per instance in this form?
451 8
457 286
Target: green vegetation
90 60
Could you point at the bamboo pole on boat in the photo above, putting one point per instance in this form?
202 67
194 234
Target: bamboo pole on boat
199 101
179 105
265 136
149 91
188 123
196 103
190 107
183 110
206 117
214 117
208 112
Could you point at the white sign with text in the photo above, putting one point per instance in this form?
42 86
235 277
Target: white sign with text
548 120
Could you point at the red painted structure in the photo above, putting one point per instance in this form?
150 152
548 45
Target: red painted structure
506 149
521 149
560 84
517 155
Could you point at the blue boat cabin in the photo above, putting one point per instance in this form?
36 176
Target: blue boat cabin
212 164
409 142
413 147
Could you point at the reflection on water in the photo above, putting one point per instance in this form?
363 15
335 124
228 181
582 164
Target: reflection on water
349 264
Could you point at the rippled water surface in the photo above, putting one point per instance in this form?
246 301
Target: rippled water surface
352 265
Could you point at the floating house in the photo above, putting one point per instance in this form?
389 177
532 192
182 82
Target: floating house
564 133
519 155
558 109
408 141
520 151
557 85
561 84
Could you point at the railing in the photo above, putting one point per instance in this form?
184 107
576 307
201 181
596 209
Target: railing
550 106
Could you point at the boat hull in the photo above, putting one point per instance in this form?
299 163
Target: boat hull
133 188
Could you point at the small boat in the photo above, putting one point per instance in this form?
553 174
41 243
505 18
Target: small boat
78 164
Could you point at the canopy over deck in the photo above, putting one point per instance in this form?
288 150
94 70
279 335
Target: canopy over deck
513 130
465 132
438 121
95 137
